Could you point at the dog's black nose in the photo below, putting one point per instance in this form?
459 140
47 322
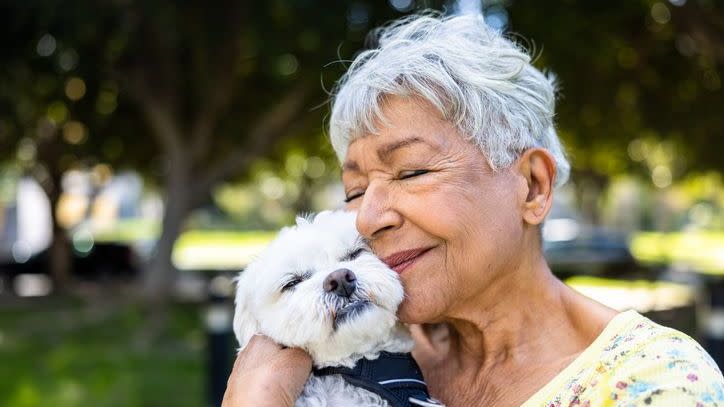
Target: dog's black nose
342 282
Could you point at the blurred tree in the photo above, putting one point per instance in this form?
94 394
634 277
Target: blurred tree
641 85
188 93
192 94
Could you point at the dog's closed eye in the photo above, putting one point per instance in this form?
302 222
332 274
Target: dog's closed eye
294 280
353 254
289 285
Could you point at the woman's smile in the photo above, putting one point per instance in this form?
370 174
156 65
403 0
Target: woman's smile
403 260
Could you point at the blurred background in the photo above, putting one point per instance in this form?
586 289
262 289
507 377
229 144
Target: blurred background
149 148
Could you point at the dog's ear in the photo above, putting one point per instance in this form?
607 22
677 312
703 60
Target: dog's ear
305 219
322 215
245 325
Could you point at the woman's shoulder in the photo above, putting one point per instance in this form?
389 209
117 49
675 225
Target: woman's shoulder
635 361
634 333
644 362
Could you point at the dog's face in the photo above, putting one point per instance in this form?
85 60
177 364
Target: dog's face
318 287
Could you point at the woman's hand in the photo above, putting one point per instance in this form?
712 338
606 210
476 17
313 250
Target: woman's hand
432 342
267 374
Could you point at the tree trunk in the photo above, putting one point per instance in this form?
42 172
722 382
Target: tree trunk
303 203
589 186
183 195
59 253
160 276
59 258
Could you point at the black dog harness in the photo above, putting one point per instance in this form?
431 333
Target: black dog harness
395 377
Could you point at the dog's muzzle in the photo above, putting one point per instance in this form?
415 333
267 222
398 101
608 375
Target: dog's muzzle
349 311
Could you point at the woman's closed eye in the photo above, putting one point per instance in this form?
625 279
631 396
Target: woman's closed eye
412 173
353 196
402 175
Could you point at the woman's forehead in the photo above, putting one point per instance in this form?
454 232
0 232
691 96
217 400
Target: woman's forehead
387 147
407 123
384 149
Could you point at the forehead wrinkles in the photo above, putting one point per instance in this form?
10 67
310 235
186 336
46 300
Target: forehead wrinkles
403 122
357 162
383 152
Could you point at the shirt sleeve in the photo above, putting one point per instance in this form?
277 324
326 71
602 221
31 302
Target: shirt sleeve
672 370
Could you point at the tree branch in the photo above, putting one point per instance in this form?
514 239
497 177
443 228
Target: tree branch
705 27
218 101
267 131
159 116
220 93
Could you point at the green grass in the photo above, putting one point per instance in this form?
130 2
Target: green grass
72 354
224 238
129 230
701 250
194 249
218 250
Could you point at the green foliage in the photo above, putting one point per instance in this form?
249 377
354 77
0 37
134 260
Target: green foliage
231 62
698 250
633 73
85 355
629 71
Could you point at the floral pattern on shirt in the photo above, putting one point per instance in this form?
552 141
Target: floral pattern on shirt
641 363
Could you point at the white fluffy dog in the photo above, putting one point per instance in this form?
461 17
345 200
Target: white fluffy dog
318 287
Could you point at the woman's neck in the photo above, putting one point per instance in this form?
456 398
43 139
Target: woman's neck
527 316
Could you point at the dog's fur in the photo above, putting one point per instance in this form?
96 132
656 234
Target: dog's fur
304 315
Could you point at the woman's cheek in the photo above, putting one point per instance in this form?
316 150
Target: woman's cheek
423 303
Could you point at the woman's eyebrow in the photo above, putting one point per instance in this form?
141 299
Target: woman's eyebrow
384 152
350 166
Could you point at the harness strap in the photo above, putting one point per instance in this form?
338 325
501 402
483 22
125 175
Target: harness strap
396 377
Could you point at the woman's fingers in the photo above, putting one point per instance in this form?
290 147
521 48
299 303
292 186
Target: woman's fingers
267 374
422 341
294 366
261 346
266 352
431 342
298 357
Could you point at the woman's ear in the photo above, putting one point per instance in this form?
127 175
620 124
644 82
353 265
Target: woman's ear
538 167
245 325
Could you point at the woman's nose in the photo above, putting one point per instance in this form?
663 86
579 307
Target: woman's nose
376 212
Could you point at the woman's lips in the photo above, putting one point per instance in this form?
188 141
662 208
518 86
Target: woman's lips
404 259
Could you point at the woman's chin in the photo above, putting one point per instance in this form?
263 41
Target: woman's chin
424 301
415 312
403 314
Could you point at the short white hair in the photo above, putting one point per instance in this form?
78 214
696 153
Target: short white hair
480 81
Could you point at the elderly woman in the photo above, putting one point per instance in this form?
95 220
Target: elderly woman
450 157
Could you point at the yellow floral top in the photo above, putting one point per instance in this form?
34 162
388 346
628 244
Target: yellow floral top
636 362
